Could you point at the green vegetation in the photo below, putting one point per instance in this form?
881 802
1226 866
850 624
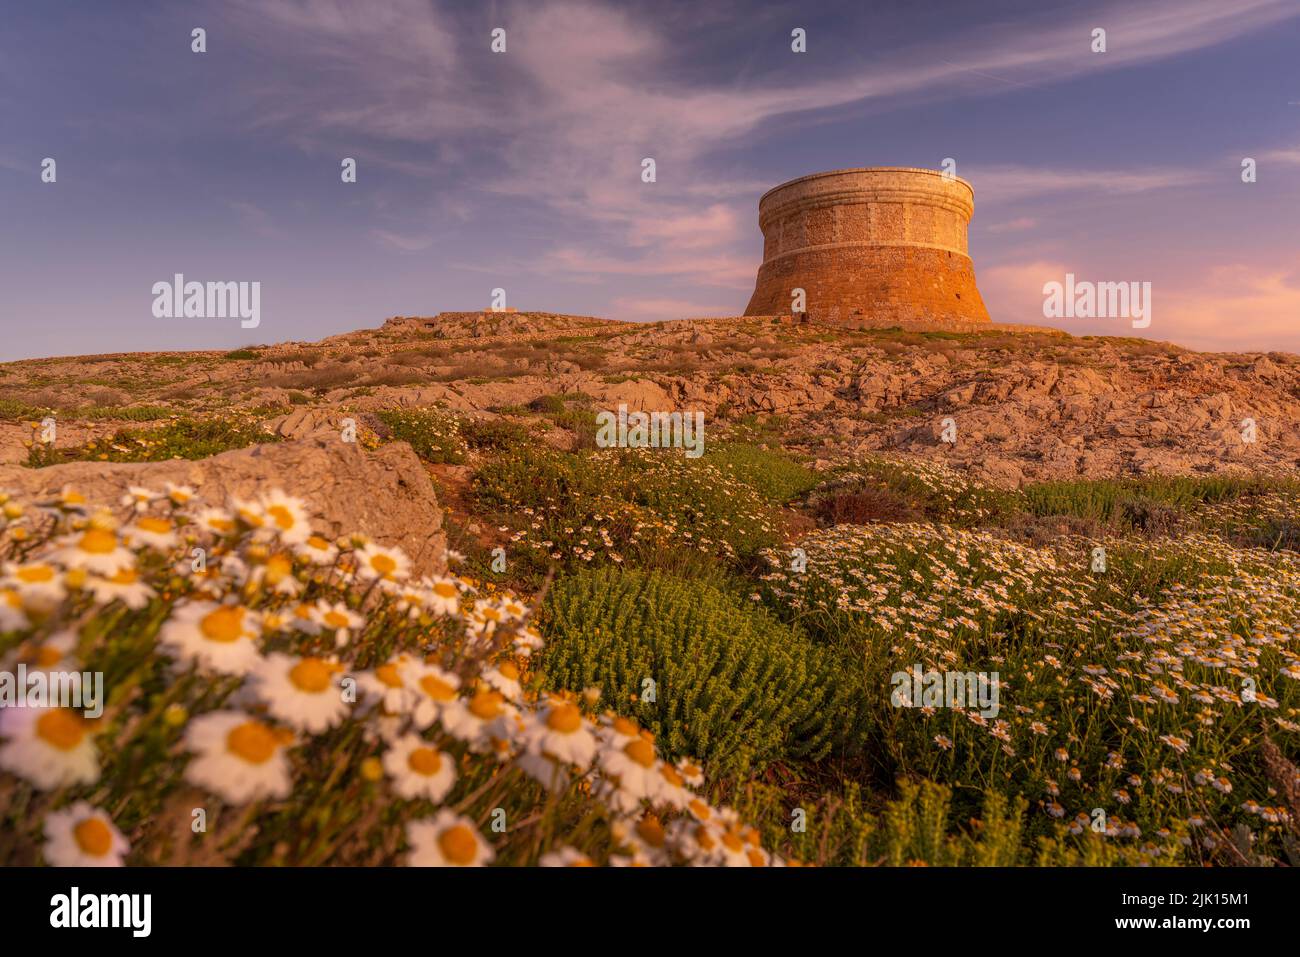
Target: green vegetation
712 677
188 438
434 434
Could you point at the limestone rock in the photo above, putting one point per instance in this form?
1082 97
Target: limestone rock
386 494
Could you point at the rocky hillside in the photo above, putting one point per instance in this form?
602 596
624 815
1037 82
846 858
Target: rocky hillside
1026 406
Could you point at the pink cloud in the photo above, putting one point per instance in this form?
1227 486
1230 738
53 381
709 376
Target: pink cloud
1233 307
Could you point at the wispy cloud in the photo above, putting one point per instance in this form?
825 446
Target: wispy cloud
587 90
399 242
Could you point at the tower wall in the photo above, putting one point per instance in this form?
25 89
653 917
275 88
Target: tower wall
869 246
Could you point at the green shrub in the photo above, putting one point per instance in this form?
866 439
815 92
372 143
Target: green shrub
240 354
912 487
1128 500
732 686
181 439
496 435
920 829
13 410
771 472
434 434
139 413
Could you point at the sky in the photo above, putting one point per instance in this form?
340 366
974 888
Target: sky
521 170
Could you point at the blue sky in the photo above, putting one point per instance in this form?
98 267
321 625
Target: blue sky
521 170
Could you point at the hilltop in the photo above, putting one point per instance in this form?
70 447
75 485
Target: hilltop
1102 558
1027 406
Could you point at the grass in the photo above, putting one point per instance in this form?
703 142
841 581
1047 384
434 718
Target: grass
434 434
186 438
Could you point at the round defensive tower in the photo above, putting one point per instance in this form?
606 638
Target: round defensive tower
870 247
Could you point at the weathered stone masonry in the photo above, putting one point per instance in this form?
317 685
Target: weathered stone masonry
869 247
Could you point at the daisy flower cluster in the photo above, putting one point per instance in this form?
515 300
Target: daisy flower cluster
1144 690
622 504
315 698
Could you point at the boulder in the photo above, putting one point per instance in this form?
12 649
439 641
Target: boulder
386 494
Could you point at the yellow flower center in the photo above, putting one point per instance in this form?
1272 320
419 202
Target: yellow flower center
226 624
318 543
387 674
436 688
311 675
733 842
625 727
383 564
278 568
282 517
61 728
424 761
641 751
671 776
98 541
445 590
508 670
700 809
564 718
651 831
704 838
486 705
336 619
458 845
152 523
220 524
125 576
32 574
47 656
93 837
252 741
756 859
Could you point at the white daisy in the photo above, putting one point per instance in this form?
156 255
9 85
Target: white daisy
561 733
566 857
444 596
40 584
433 690
504 678
151 531
83 836
286 516
138 498
125 585
446 840
418 769
633 767
218 521
179 494
387 564
55 653
96 550
237 757
478 721
340 619
50 747
304 693
220 637
11 611
317 550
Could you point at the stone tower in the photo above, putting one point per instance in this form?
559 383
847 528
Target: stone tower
869 247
